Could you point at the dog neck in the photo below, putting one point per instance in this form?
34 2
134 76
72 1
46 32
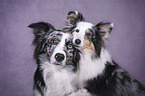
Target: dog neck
91 66
57 80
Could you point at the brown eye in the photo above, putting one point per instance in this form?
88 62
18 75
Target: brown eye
77 30
88 34
52 41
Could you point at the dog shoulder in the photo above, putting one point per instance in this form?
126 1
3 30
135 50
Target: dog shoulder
115 81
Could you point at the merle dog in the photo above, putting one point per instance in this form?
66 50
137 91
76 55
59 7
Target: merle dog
97 72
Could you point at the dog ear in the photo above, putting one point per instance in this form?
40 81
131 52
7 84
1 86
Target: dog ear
41 28
72 18
104 28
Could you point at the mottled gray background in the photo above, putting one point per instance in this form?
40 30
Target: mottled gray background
17 66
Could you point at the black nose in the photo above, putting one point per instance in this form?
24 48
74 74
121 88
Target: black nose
59 57
78 41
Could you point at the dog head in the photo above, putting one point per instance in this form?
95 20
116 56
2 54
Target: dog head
51 45
87 36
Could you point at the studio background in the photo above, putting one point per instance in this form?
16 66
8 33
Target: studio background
126 43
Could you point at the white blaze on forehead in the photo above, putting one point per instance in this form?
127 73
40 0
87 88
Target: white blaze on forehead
60 48
65 36
84 25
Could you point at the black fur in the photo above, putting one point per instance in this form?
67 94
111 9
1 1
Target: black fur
76 57
38 81
115 81
41 42
72 18
98 35
39 29
97 41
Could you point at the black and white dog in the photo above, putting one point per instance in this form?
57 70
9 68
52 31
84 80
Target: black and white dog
97 72
56 59
54 55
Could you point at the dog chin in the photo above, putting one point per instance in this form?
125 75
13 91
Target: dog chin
58 63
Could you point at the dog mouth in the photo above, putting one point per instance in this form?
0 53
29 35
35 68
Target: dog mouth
68 62
58 63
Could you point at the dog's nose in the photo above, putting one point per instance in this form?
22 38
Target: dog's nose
78 41
59 57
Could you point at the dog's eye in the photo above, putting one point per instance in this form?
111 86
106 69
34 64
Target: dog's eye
53 41
70 46
77 30
88 34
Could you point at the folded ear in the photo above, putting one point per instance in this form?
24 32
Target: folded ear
72 18
40 28
104 28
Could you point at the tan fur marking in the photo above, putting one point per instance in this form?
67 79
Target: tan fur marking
88 45
84 84
89 31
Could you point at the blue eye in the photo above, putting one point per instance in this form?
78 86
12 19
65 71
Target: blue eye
70 46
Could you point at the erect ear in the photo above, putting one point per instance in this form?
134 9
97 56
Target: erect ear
104 28
72 18
41 28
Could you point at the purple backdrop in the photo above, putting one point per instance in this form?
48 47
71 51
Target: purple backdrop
126 44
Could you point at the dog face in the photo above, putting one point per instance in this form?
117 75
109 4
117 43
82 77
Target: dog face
60 48
52 45
87 36
82 35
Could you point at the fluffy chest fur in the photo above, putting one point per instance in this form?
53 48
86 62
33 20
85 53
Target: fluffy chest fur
58 80
91 66
54 54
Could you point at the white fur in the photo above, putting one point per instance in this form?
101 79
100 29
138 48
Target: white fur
82 27
36 93
112 25
76 12
81 92
91 67
60 49
58 80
